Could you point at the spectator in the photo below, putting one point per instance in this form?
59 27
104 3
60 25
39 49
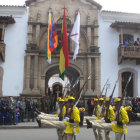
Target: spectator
137 42
126 42
12 110
22 109
90 104
39 105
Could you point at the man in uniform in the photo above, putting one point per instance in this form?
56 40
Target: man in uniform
99 117
69 122
118 126
108 117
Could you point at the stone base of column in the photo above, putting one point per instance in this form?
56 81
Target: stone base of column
35 91
89 92
27 91
97 92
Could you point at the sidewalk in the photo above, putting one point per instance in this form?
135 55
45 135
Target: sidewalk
23 125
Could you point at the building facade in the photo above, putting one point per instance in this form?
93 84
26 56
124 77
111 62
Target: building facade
37 70
13 35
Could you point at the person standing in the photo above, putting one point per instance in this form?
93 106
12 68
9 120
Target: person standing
39 105
108 117
22 109
12 111
33 107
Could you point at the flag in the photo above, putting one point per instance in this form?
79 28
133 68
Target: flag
75 35
52 40
64 53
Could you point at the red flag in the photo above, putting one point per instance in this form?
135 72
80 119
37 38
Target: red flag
64 52
65 42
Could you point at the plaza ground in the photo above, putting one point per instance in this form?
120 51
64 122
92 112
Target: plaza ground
50 133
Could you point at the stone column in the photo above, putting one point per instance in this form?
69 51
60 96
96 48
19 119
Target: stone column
97 76
30 33
42 85
89 31
81 85
35 89
89 90
96 36
37 32
89 36
27 89
81 82
89 71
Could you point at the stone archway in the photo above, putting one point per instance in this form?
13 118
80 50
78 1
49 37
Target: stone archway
71 73
134 80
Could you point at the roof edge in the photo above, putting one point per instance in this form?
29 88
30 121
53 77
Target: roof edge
95 3
23 6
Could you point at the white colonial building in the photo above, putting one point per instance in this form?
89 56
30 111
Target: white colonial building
13 36
119 61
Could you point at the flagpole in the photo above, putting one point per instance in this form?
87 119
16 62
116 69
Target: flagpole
64 3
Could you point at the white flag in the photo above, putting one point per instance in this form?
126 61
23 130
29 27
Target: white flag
75 35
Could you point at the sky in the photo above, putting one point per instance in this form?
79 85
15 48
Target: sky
129 6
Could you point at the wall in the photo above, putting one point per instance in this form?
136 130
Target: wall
15 40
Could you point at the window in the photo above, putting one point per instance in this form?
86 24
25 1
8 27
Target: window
128 38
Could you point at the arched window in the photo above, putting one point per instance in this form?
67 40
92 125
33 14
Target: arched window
132 88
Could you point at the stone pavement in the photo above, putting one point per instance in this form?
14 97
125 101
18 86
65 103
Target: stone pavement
32 125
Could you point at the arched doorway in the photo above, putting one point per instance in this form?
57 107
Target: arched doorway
57 89
129 88
132 88
71 76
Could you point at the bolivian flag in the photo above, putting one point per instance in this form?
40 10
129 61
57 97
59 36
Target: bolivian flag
64 53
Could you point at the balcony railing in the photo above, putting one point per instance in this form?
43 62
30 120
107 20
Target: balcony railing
129 52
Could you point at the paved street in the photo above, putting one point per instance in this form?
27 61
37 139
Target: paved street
50 134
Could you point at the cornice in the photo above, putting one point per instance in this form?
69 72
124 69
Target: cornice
94 3
120 16
12 10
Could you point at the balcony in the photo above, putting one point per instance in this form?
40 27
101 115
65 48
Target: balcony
2 51
129 52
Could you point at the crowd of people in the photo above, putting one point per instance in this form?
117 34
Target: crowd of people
19 109
128 42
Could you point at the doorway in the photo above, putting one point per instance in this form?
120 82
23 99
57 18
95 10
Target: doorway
130 87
